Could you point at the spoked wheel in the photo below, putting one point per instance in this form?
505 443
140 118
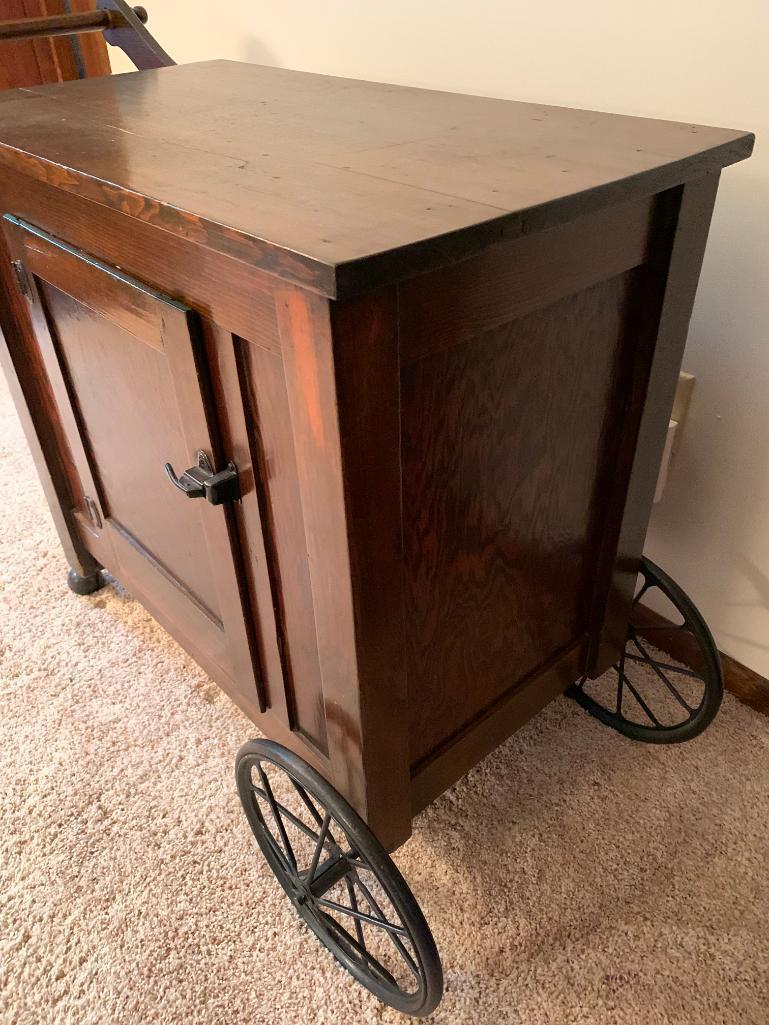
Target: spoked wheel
649 695
339 877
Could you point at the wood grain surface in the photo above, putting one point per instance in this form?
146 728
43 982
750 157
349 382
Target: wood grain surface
341 371
131 392
437 333
338 184
228 292
502 446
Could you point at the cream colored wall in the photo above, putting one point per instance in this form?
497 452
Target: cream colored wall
699 60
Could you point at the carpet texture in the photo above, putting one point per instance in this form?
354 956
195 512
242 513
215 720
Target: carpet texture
574 877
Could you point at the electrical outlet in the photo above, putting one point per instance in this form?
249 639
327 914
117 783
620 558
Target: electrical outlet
681 402
683 398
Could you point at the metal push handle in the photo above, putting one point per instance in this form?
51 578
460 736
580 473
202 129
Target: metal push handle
123 26
67 24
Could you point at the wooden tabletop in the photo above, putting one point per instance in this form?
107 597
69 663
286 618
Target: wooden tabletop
335 183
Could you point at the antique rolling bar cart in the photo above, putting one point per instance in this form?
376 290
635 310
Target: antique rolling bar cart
362 390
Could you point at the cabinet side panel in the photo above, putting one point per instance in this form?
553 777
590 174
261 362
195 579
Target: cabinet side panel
503 439
517 366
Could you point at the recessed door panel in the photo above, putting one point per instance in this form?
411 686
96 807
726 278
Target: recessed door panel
134 426
128 369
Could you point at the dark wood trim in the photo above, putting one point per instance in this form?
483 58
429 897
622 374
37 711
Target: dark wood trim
33 397
290 267
748 686
227 292
479 738
57 262
347 280
248 516
342 379
265 402
666 310
515 278
367 377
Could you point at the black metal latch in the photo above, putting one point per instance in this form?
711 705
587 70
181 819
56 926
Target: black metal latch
201 482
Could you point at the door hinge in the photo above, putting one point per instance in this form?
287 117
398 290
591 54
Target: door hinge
93 512
22 278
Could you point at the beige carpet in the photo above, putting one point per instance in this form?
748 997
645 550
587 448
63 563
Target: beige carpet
574 877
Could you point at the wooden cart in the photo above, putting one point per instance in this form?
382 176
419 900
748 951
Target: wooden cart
362 391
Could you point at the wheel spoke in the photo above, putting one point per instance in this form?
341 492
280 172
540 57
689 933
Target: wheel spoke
288 814
361 916
642 592
665 680
316 815
648 660
318 848
276 815
342 936
278 851
354 859
620 684
397 941
307 802
354 905
641 701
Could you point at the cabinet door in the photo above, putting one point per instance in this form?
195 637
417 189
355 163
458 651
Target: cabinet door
128 372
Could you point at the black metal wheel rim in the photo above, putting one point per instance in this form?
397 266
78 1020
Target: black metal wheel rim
339 878
648 695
